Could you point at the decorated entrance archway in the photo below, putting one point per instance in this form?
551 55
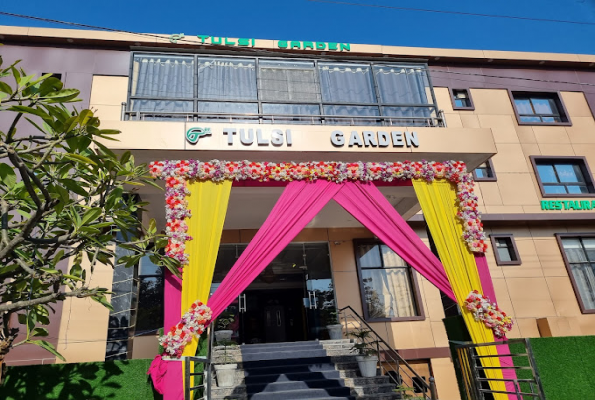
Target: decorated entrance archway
197 195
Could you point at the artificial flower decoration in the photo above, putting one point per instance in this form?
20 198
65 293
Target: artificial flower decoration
177 173
489 313
192 324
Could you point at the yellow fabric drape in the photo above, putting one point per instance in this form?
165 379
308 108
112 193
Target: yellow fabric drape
439 205
208 204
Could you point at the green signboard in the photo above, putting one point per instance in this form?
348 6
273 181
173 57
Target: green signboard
568 205
251 42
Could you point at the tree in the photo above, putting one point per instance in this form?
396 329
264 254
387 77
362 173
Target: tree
64 197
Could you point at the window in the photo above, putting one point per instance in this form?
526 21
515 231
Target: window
505 250
461 99
388 287
579 257
267 90
485 172
54 75
150 297
539 108
563 176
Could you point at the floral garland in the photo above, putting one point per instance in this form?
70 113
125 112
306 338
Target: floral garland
177 173
489 313
191 325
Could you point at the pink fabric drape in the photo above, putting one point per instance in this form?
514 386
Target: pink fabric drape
167 375
488 290
298 205
365 202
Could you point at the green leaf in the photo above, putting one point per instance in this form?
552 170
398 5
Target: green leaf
102 300
61 96
74 186
22 319
74 278
91 215
7 175
30 110
49 347
79 158
4 87
39 332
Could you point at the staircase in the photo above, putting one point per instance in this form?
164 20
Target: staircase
301 370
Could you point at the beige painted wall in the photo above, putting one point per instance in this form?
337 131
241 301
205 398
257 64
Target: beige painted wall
83 327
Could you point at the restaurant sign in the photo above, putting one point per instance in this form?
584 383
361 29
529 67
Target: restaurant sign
251 42
568 205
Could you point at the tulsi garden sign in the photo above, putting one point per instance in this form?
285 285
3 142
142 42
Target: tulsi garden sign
251 42
568 205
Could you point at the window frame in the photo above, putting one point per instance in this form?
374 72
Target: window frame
492 178
454 104
412 279
515 250
583 165
381 118
559 237
551 94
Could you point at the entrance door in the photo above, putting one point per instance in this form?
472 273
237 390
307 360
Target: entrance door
319 293
289 301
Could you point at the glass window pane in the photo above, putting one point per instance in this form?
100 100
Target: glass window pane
352 111
567 173
226 79
584 278
369 256
504 254
147 267
523 106
544 106
589 245
290 109
548 119
576 189
390 258
288 81
150 305
151 109
163 76
402 84
346 83
481 173
388 293
550 189
525 118
228 109
574 250
546 173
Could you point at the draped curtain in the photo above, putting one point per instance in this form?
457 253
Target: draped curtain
163 76
298 204
226 79
438 203
208 204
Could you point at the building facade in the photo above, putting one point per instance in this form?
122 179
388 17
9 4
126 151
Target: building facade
523 122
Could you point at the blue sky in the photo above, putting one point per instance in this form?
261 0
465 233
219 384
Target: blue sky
315 21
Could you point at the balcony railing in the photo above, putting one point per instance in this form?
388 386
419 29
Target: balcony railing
293 119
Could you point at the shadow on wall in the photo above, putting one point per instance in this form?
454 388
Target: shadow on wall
115 380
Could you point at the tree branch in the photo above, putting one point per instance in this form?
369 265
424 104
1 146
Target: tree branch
20 305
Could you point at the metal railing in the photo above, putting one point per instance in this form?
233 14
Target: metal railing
299 119
525 385
199 368
407 380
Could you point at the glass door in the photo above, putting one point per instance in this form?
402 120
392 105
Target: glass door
319 292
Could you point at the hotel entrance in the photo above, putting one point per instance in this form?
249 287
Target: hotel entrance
291 300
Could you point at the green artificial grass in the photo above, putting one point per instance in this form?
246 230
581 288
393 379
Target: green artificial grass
565 366
114 380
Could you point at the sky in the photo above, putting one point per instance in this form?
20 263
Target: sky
362 21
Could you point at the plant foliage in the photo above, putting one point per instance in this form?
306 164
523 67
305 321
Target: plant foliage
66 201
